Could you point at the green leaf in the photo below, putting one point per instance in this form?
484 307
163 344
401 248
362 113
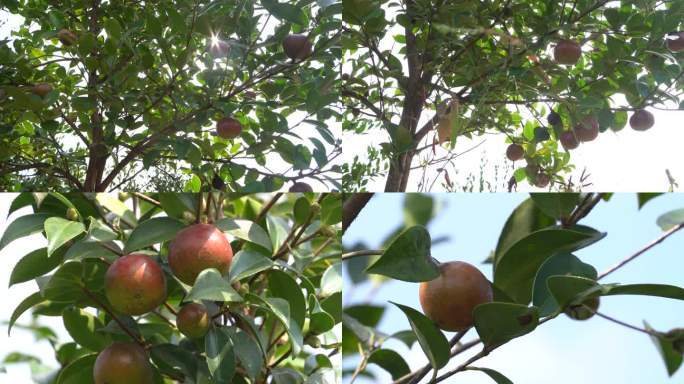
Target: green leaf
32 300
517 267
497 322
556 205
282 285
82 327
245 230
65 285
559 264
657 290
319 321
644 198
247 263
569 289
210 285
331 282
89 249
284 11
302 209
671 358
367 314
281 310
153 231
113 28
418 209
23 226
525 219
246 350
115 206
59 231
671 219
407 258
36 263
79 371
22 200
220 355
431 339
496 376
390 361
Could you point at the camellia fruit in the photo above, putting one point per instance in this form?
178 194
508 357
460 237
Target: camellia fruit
135 284
515 152
449 299
554 118
542 180
41 89
641 120
297 47
228 128
66 37
123 363
300 187
587 129
196 248
567 52
583 311
193 320
568 140
676 44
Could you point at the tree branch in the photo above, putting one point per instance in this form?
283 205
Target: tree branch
352 207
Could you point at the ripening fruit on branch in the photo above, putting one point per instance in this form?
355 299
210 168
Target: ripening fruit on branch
41 89
641 120
567 52
123 363
587 129
193 320
676 44
196 248
515 152
66 37
297 47
135 284
554 118
580 311
228 128
300 187
542 180
568 140
449 300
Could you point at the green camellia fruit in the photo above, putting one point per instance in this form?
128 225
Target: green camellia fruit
123 363
197 248
449 299
135 284
583 311
193 320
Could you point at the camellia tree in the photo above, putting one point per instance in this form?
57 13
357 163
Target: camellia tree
191 288
547 76
98 96
536 278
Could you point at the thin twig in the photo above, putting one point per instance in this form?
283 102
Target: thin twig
371 252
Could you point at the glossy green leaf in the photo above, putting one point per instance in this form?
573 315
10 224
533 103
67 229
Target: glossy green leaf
66 284
497 322
83 327
281 310
26 304
390 361
407 258
78 372
220 355
556 205
671 358
23 226
115 206
284 286
302 209
559 264
247 263
496 376
670 219
645 197
419 209
569 289
153 231
245 230
331 282
59 231
210 285
525 219
34 264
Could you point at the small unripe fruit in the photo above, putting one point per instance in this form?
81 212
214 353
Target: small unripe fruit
41 89
228 128
193 320
135 284
554 118
300 187
587 129
542 180
66 37
641 120
676 44
297 47
123 363
312 341
197 248
449 299
72 214
515 152
583 311
568 140
541 134
123 196
567 52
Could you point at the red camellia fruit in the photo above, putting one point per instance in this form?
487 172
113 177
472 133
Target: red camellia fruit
675 44
66 37
228 128
300 187
449 299
41 89
587 129
542 180
135 284
568 140
123 363
193 320
197 248
567 52
641 120
297 47
515 152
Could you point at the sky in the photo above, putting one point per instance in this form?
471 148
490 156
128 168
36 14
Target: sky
624 161
562 351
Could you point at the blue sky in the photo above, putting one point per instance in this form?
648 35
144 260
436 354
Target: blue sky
563 350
